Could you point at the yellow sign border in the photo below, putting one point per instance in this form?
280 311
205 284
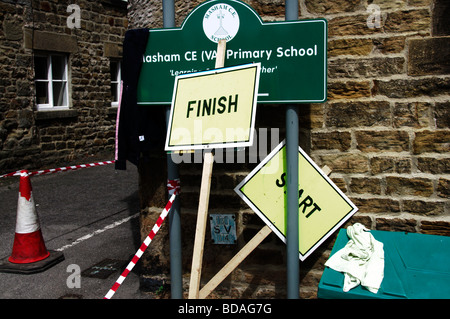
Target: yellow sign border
272 223
195 127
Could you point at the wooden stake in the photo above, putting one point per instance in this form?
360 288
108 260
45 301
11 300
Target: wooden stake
234 262
200 230
220 56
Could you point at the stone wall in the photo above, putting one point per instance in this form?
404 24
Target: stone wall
33 139
384 132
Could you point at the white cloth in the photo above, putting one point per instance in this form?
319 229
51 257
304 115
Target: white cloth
361 260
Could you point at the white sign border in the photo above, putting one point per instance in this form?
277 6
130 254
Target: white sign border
247 200
215 145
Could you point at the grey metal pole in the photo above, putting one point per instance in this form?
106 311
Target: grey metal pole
176 279
293 263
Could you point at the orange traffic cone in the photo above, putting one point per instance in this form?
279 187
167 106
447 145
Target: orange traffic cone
29 253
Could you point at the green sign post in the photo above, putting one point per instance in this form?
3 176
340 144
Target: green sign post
292 53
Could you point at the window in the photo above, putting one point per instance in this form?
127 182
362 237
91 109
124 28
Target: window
51 81
116 77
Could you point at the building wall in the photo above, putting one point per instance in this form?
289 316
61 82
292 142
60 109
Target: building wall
30 138
384 132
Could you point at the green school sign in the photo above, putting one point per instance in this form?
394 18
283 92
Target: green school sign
293 54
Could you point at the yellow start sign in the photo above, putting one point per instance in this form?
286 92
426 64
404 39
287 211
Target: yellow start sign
214 109
323 208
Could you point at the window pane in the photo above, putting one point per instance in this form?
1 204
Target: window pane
58 67
42 92
115 80
59 94
113 69
114 92
40 67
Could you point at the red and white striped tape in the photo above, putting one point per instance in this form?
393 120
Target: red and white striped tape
141 249
56 170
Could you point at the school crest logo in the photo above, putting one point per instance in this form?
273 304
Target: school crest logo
221 21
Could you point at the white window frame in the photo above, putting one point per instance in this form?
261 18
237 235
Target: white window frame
50 81
116 80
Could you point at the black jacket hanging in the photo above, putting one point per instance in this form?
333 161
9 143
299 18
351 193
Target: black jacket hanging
140 129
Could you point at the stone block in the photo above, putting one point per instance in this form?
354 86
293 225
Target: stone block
376 205
443 188
380 141
269 8
407 88
433 227
50 41
442 114
382 165
334 6
431 141
390 45
365 185
429 56
426 208
404 186
408 21
348 90
357 114
364 68
413 114
12 30
433 165
112 50
441 12
396 224
352 25
331 140
345 163
355 46
340 183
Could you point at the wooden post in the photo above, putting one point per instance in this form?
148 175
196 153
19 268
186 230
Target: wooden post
235 261
200 230
197 256
220 56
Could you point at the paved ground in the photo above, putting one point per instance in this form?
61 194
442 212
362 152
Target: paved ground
91 215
